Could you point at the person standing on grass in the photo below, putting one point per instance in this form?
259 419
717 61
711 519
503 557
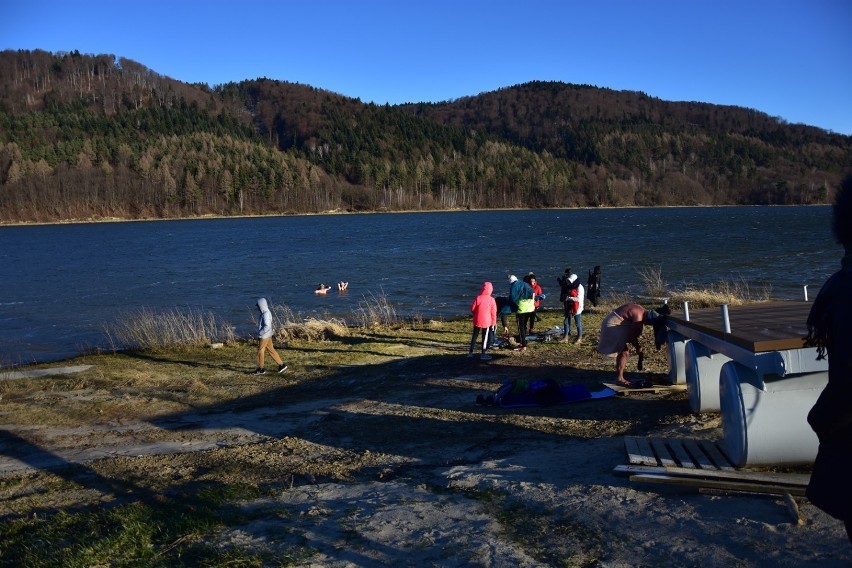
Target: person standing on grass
521 295
264 334
574 309
538 296
831 417
484 310
593 285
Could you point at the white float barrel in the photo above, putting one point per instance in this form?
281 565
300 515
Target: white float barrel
702 376
676 344
766 422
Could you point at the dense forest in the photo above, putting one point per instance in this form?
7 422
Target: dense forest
100 136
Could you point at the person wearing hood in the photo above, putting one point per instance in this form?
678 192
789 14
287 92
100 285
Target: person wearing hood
522 296
264 334
621 328
484 310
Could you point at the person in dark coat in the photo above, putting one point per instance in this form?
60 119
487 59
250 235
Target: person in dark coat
830 331
593 286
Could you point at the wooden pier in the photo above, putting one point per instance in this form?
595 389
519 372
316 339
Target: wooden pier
766 326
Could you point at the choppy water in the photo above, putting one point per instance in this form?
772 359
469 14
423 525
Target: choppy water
61 284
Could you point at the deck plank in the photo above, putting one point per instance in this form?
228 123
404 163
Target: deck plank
663 453
676 452
645 451
698 455
761 327
677 447
715 454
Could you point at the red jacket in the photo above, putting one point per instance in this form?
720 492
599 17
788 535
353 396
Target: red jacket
538 292
484 307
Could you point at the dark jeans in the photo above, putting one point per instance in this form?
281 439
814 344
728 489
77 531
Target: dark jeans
485 343
523 326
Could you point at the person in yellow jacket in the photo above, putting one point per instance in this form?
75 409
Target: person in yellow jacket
522 296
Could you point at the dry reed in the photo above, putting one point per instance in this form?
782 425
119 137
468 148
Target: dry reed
170 330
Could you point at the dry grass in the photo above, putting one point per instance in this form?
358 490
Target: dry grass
377 311
723 292
171 330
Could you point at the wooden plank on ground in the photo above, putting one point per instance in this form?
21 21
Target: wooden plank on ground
798 480
698 482
634 454
653 389
646 452
713 452
681 454
698 455
662 451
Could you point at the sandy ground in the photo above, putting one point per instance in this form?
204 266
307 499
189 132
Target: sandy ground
411 471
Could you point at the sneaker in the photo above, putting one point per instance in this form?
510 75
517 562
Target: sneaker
484 357
470 355
521 348
282 367
259 371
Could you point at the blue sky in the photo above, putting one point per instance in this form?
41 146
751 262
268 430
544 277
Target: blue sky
788 58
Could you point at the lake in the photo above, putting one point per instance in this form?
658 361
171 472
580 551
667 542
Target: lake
60 285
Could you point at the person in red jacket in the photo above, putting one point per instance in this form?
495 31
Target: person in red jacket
539 295
484 310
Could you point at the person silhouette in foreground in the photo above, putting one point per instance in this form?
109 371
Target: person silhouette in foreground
829 331
264 334
621 328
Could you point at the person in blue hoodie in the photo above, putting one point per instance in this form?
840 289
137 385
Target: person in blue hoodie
264 334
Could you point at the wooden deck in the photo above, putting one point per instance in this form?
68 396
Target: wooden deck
768 326
702 465
691 454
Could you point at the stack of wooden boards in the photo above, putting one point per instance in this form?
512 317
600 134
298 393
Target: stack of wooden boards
701 464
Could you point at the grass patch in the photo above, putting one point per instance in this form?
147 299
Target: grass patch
159 532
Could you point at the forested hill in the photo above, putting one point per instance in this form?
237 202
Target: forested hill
88 136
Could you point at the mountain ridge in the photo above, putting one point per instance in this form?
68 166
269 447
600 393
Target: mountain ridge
88 135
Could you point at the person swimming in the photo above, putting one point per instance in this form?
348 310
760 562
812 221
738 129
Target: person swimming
322 289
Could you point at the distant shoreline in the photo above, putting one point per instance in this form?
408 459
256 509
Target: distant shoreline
97 220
